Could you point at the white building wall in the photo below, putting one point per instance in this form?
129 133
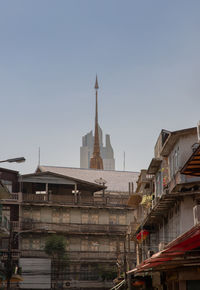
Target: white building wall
179 220
183 149
186 214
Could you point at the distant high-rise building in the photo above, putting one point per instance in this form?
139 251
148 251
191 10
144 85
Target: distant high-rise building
92 153
106 151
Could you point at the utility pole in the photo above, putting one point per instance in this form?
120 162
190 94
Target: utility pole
128 263
9 259
125 263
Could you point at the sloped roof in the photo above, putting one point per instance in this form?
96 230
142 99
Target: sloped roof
46 176
116 181
173 137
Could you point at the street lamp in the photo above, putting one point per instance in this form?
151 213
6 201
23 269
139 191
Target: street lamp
18 160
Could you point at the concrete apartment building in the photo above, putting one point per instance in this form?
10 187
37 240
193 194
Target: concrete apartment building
89 208
167 237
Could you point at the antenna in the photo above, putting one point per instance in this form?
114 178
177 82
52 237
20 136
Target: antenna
124 162
39 156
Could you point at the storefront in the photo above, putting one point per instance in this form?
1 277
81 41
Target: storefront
177 267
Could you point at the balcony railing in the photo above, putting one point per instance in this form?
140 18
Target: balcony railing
110 201
73 228
81 255
4 254
15 226
14 197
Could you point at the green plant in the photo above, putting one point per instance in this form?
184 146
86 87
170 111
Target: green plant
55 248
107 272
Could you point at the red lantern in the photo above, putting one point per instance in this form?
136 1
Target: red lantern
142 236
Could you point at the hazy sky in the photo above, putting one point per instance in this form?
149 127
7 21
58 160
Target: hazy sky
147 57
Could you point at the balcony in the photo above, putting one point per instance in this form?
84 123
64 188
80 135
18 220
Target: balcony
144 177
179 179
71 200
95 256
74 228
13 198
4 254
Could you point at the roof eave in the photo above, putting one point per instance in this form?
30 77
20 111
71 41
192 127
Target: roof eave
172 139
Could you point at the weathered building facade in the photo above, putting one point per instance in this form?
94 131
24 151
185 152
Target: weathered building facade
89 208
9 219
167 236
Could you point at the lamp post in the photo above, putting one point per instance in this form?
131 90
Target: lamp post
12 160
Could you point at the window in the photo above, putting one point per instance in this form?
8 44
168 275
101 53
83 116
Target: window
36 215
66 217
36 244
84 245
158 184
67 247
121 246
94 219
84 218
174 162
84 272
56 216
8 184
27 214
25 244
94 246
113 219
42 244
122 219
4 243
113 246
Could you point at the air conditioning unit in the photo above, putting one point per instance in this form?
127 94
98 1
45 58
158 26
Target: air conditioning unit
196 214
198 131
150 253
161 246
66 284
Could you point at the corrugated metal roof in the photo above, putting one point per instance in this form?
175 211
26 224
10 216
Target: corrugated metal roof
116 181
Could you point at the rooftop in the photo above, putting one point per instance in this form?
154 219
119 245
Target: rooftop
116 181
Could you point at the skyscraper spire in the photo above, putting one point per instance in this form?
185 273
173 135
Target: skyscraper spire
96 161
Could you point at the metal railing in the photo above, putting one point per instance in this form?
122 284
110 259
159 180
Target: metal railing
80 255
112 201
73 227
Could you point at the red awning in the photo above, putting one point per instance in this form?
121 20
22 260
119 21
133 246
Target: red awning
186 242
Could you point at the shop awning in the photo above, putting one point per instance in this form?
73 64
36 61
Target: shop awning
173 254
192 166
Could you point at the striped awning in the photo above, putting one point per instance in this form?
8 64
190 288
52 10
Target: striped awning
192 166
